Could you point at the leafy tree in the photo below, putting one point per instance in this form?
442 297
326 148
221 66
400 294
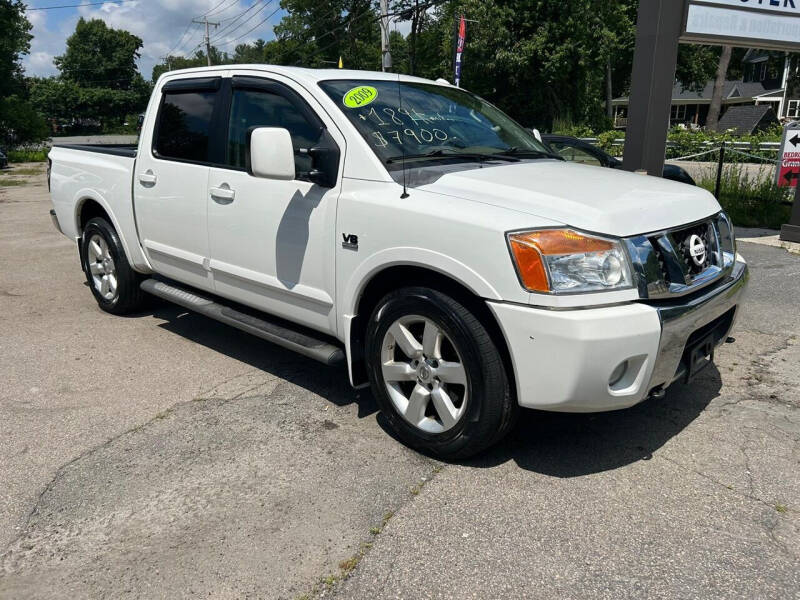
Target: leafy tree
539 59
54 97
99 56
14 42
173 63
20 123
316 34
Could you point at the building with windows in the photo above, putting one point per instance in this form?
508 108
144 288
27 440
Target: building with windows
766 81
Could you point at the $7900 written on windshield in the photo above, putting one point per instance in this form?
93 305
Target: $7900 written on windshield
413 118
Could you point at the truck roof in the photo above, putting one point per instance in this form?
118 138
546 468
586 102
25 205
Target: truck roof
305 74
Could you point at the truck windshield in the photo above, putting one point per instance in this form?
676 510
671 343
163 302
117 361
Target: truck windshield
419 122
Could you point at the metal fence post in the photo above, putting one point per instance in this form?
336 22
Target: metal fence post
717 189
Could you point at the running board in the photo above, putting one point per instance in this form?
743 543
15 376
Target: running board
293 339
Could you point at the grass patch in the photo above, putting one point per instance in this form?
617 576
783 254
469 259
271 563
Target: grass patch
750 200
17 156
12 182
781 508
26 171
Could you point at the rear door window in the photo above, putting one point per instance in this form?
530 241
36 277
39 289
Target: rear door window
184 125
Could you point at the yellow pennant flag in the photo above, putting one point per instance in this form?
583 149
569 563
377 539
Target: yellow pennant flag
340 63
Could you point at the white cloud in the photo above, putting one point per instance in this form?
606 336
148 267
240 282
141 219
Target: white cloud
160 24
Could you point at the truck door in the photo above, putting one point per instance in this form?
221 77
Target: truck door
272 242
171 180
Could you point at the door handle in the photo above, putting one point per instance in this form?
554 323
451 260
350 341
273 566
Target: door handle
222 193
148 177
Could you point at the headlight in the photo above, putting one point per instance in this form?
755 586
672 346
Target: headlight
565 261
727 241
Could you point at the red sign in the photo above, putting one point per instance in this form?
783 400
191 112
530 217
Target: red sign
789 159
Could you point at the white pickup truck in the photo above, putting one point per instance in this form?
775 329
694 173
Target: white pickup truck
411 230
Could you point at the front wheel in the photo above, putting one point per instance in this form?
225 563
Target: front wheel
437 374
113 282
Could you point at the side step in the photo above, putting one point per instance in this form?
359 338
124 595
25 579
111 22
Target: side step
297 340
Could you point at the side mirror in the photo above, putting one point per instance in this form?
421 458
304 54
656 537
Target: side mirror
537 134
271 153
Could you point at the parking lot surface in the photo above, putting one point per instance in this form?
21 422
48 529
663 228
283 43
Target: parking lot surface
166 455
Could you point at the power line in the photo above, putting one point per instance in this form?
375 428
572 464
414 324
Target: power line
267 18
210 11
181 41
114 2
229 28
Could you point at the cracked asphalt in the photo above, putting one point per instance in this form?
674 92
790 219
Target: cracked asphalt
165 455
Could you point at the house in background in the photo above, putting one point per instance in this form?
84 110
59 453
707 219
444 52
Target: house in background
764 83
747 119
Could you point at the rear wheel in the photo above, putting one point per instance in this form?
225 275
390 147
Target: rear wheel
437 375
113 282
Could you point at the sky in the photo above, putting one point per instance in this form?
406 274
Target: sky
162 25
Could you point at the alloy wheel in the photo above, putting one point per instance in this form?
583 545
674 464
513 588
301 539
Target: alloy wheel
102 267
424 374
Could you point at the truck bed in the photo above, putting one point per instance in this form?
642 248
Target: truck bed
103 174
126 150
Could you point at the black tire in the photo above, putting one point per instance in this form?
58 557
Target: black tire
129 297
491 408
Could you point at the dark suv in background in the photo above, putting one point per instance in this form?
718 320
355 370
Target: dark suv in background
575 150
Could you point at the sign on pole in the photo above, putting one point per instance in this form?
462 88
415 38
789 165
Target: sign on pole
460 42
789 176
767 24
788 171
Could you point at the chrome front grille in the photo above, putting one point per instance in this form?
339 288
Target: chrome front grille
679 261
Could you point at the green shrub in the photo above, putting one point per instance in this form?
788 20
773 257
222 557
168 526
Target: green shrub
567 127
18 156
750 201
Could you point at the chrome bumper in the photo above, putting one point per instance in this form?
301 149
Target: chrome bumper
685 317
54 218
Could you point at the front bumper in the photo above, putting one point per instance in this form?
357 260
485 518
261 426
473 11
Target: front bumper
564 360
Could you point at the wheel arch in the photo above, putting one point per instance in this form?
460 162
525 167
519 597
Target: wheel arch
89 205
399 276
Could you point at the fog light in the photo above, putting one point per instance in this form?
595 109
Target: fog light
618 374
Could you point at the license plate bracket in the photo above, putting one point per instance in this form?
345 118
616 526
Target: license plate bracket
699 355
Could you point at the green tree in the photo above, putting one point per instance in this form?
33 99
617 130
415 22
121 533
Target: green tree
316 34
99 56
57 98
20 123
15 41
173 63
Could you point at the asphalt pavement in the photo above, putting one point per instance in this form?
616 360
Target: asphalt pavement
166 455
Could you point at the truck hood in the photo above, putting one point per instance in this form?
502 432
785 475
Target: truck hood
586 197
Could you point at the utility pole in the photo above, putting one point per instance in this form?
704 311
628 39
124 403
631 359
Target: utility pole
168 59
386 55
207 38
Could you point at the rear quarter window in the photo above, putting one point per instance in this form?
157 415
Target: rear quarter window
184 125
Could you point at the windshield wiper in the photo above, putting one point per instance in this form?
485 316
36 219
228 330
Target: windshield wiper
520 151
442 155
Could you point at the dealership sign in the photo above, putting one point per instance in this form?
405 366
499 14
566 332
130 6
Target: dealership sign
788 171
769 24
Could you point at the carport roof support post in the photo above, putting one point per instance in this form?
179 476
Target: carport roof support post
658 29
